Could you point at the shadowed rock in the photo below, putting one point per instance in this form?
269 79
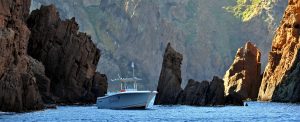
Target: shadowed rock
203 93
281 81
42 80
244 73
70 57
170 78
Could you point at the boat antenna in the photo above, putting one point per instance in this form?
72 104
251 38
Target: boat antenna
119 76
132 66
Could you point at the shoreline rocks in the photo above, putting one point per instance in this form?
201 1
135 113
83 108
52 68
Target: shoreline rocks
244 73
281 82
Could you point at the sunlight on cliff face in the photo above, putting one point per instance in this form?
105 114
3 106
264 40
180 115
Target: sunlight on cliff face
246 10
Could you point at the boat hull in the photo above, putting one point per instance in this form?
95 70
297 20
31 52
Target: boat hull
126 100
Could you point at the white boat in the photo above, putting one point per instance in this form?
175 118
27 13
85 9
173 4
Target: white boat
128 97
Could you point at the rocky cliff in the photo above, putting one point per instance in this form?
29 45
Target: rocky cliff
69 56
244 74
281 77
196 28
195 93
18 88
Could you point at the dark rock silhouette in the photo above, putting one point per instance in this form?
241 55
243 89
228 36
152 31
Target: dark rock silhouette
99 85
170 78
203 93
281 81
70 57
244 73
18 89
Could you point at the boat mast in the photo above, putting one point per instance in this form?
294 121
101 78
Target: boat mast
134 84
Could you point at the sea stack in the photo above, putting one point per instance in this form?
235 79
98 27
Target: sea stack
18 88
169 84
70 57
243 76
281 81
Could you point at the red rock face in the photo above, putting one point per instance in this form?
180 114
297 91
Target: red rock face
244 74
281 80
69 56
18 88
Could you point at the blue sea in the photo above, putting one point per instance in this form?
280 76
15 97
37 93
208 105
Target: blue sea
255 111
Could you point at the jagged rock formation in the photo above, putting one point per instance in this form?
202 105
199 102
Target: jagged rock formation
195 93
203 93
244 73
170 78
70 57
196 28
18 88
281 80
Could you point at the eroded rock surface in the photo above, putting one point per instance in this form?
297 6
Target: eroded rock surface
281 80
18 88
244 73
70 57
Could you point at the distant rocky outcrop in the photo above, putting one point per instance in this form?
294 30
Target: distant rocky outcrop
18 88
243 75
195 93
170 78
70 57
281 81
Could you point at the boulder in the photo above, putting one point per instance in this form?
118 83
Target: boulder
169 84
18 88
70 57
281 80
234 98
244 73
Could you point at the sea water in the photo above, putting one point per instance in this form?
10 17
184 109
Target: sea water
255 111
